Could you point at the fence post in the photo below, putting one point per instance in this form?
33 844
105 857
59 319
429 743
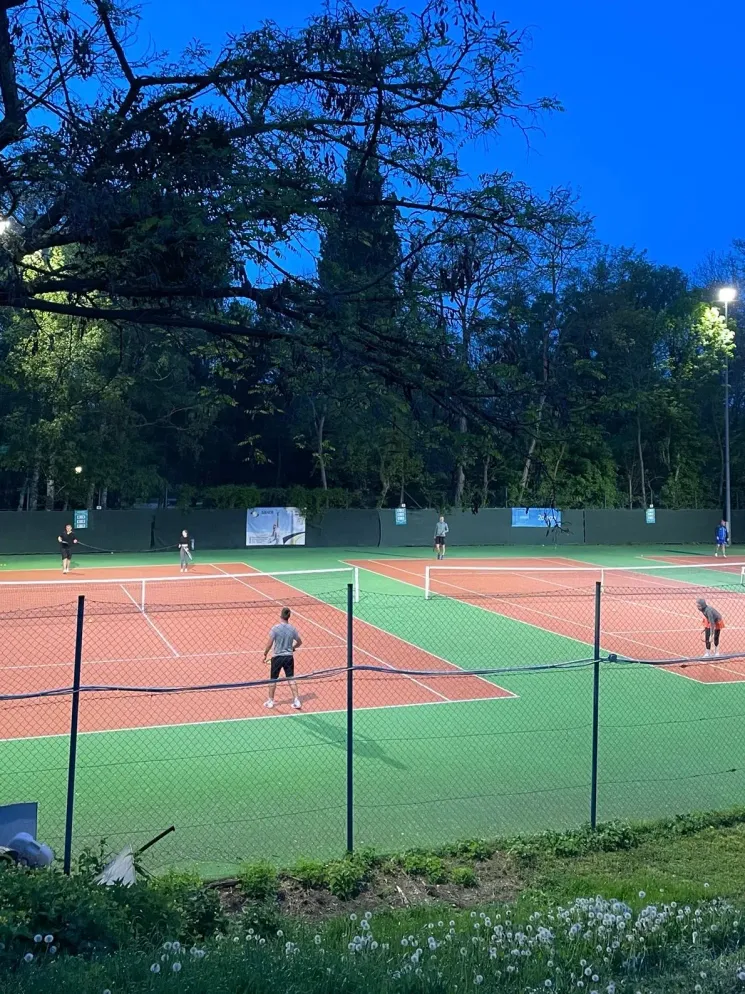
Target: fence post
350 718
595 709
72 762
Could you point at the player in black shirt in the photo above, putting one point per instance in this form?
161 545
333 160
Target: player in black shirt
66 541
184 544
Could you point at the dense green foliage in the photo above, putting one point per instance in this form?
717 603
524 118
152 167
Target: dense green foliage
267 270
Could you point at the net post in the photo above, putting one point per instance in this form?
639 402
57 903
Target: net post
73 756
602 579
350 718
142 596
426 582
595 709
356 584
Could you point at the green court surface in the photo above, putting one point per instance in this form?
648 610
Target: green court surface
424 772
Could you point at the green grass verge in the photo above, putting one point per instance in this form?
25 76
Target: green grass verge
657 928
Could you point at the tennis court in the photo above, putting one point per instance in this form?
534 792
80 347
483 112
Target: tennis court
439 752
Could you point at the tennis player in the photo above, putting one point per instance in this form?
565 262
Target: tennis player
722 538
284 639
713 625
441 534
66 541
184 550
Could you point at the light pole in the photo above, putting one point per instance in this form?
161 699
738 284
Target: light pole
726 295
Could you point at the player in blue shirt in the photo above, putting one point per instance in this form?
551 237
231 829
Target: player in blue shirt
722 538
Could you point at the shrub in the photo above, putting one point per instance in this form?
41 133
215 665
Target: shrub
475 849
258 881
432 868
464 876
345 878
198 907
309 873
83 918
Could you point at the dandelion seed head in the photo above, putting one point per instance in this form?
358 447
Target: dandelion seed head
155 968
28 957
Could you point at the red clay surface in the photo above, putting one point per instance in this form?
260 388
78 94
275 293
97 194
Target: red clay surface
193 633
642 617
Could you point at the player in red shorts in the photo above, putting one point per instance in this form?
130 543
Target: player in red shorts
713 625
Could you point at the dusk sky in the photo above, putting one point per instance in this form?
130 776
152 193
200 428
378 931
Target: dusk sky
652 134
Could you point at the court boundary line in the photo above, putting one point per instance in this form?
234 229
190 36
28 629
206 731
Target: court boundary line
672 669
152 624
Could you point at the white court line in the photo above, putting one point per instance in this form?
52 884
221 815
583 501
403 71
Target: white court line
150 622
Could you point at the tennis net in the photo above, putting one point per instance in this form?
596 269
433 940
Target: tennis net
189 592
519 581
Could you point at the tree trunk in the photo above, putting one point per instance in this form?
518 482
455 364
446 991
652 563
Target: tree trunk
22 495
319 451
33 488
49 500
402 496
91 495
630 474
104 498
460 470
485 483
385 483
531 449
641 460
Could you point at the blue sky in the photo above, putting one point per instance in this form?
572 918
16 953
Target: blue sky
652 135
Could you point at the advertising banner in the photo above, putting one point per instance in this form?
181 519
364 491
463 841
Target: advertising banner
275 526
536 517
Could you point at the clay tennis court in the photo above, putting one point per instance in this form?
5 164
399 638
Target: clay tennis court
194 633
645 615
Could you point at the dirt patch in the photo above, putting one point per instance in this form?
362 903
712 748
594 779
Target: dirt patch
390 889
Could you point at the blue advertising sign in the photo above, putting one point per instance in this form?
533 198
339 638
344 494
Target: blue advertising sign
80 519
536 517
650 515
400 515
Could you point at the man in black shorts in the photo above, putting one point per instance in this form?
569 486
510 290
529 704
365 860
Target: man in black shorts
66 541
284 639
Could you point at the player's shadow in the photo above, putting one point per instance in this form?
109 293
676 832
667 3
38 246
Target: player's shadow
335 735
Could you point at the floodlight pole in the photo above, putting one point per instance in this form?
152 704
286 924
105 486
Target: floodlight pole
727 486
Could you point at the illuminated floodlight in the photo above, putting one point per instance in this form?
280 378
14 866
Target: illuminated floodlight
727 294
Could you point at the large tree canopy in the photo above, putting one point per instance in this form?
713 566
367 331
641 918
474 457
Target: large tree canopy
178 185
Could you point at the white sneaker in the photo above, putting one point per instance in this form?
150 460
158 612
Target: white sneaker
269 704
716 652
707 654
296 704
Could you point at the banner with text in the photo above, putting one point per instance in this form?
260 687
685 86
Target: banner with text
275 526
536 517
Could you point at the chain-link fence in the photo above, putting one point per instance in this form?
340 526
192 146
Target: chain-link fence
437 720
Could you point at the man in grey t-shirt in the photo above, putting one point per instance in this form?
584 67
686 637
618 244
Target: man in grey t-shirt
441 534
284 638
